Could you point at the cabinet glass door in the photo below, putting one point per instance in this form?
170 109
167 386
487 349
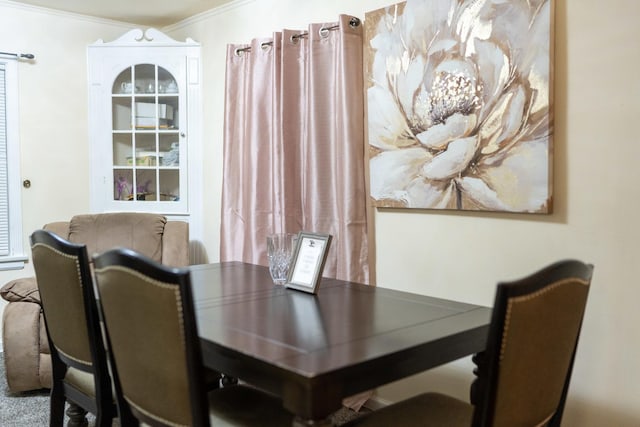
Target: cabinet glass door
145 135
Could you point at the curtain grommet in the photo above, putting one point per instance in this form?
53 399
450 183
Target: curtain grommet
240 51
295 38
266 46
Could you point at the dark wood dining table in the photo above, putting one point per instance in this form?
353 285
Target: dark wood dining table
314 350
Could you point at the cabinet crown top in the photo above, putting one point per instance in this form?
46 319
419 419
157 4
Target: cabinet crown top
148 37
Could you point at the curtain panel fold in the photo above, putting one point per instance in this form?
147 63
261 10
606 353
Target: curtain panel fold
294 151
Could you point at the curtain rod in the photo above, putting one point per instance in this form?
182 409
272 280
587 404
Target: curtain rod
353 22
19 55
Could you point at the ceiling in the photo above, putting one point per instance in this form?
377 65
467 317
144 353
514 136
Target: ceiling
152 13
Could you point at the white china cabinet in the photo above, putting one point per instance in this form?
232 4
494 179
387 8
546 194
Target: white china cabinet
145 125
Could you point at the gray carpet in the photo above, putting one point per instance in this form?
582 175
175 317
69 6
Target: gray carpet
22 409
31 409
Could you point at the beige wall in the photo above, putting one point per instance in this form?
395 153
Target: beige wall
453 255
53 111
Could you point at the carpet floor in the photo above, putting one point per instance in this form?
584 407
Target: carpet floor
22 409
31 409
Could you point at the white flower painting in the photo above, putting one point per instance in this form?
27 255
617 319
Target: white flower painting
459 105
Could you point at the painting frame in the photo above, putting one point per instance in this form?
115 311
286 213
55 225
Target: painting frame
459 100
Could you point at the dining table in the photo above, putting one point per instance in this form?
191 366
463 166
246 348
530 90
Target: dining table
314 350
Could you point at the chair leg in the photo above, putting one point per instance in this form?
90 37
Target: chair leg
56 408
77 416
105 414
127 419
478 386
103 420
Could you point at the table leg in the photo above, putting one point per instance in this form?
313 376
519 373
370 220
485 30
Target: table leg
313 408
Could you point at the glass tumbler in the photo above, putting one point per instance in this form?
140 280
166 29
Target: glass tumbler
279 252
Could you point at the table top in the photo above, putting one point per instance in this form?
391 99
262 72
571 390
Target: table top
314 350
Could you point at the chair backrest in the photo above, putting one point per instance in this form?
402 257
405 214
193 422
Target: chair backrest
149 319
69 308
146 233
531 346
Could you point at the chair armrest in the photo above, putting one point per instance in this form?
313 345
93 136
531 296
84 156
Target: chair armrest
24 289
175 244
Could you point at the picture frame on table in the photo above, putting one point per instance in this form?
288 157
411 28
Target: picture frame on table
308 261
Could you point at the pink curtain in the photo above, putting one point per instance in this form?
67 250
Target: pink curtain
294 152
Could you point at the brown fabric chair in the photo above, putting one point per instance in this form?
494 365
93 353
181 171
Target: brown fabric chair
80 373
523 376
25 346
149 318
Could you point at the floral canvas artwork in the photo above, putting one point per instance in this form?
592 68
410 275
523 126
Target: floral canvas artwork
459 105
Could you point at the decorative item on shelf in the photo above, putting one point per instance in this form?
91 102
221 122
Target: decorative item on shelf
145 158
148 114
144 188
123 188
143 192
126 87
172 87
172 158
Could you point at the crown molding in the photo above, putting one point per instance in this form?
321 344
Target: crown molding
64 14
207 14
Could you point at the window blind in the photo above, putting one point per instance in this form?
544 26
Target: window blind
4 169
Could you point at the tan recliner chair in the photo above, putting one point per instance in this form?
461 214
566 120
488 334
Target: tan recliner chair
26 350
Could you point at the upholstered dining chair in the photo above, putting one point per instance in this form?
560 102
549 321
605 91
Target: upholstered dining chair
523 376
149 318
80 373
